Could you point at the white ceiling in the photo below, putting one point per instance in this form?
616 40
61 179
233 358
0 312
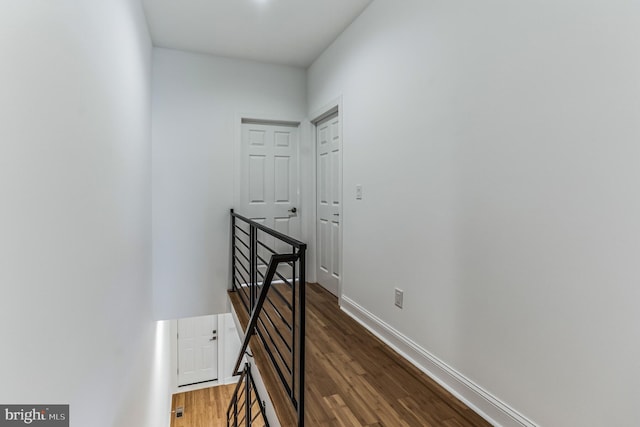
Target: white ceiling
292 32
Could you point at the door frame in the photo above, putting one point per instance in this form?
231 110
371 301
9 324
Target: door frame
175 388
318 115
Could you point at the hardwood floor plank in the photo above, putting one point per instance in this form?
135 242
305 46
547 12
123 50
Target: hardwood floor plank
354 379
203 408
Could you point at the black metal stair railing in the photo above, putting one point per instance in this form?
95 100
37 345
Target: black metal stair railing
246 409
268 273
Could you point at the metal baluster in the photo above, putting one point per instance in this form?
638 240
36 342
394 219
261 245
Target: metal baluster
294 328
252 267
233 250
247 394
235 411
301 353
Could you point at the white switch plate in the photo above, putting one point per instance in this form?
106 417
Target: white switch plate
399 298
359 192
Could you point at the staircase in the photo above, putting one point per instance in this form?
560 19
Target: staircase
268 279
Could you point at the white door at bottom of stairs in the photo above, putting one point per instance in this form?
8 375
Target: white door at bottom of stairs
197 350
329 202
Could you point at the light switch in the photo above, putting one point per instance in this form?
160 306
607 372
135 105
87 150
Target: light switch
358 192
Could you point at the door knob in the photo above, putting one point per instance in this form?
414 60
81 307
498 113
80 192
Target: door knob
293 210
336 214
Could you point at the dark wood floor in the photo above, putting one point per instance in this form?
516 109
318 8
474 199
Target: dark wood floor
353 379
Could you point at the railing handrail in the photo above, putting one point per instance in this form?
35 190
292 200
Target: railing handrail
287 239
257 309
288 365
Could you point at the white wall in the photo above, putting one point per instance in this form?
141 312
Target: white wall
75 226
197 102
497 143
231 349
159 392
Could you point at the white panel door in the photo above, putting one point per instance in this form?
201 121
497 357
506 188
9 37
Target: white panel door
197 350
269 187
329 202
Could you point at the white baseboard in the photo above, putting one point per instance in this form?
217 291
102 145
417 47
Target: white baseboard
481 401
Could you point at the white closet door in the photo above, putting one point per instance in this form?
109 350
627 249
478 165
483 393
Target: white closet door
329 202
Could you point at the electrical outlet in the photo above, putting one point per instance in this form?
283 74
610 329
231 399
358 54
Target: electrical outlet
359 192
399 297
